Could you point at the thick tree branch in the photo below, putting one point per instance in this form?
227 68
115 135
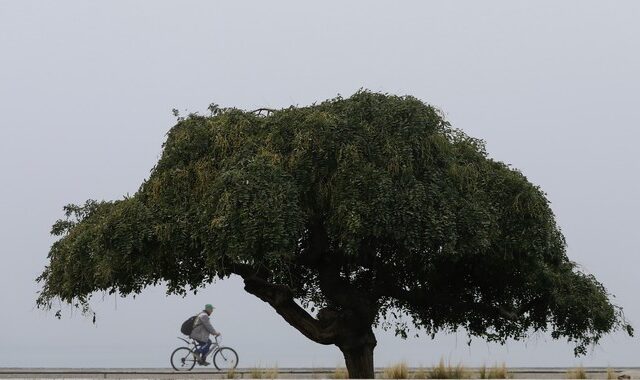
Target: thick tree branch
317 253
358 306
316 244
280 297
268 111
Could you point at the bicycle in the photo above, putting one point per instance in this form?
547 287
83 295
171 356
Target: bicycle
185 358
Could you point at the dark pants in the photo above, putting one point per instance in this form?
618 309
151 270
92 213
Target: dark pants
203 348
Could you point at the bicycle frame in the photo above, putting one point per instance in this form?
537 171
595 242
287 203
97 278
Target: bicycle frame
223 358
194 345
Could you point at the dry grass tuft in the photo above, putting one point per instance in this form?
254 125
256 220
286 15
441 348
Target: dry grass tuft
442 371
495 372
271 373
340 373
397 371
231 374
611 374
421 373
256 373
482 372
261 373
576 373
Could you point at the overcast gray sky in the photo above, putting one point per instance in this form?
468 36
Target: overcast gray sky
87 88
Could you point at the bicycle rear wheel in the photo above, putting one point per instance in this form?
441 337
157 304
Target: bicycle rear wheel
183 359
225 359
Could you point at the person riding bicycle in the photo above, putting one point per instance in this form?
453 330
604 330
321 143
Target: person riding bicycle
202 328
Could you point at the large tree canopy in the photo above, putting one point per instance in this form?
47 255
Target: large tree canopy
370 210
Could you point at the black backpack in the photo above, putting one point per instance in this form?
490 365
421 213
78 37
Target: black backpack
187 326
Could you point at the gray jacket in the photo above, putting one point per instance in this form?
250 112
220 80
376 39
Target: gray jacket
202 328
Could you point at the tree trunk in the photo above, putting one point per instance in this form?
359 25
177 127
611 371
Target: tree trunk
357 347
359 361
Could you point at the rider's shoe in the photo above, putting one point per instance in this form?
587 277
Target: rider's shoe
203 362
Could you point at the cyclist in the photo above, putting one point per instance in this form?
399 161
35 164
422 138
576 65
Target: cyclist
201 329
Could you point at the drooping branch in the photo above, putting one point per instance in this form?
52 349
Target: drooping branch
420 298
413 297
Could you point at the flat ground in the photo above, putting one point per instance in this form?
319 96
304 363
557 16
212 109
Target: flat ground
282 373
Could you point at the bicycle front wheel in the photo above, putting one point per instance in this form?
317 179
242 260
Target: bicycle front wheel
183 359
225 359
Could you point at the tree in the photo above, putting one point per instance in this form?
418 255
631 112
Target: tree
371 210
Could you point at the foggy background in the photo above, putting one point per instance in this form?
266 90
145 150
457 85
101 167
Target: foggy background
87 88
